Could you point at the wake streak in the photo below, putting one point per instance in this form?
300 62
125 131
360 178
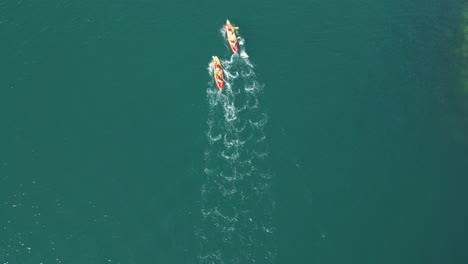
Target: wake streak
236 197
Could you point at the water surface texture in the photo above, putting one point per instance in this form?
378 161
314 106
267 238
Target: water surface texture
338 139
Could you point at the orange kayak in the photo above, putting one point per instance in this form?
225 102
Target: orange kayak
231 36
218 73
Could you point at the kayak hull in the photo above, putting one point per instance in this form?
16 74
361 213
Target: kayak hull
230 34
219 79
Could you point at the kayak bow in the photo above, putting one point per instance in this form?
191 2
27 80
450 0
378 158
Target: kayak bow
218 73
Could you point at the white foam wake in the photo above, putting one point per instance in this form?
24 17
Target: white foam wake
236 203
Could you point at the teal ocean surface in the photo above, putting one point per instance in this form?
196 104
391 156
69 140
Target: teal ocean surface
337 139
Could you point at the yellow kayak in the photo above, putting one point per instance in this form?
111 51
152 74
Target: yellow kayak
231 36
218 73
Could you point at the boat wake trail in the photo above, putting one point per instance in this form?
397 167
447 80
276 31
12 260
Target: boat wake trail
236 200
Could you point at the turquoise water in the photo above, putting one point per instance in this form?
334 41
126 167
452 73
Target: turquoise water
337 140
